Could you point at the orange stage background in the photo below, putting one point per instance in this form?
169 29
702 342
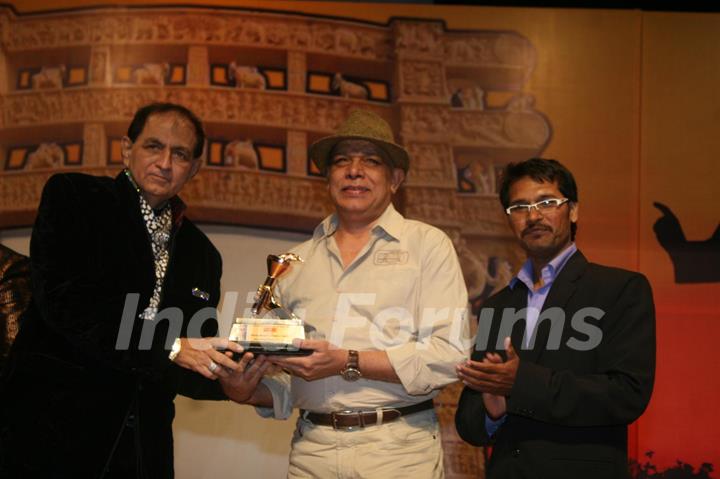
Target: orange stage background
633 99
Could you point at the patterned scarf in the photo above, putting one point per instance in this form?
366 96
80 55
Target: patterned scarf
158 225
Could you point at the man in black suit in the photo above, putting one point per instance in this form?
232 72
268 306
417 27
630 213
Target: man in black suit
118 275
565 355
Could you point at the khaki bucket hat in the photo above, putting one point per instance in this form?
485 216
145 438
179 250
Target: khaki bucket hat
361 125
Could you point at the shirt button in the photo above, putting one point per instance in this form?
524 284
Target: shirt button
515 453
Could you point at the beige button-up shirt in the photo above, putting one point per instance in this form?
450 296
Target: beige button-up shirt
403 294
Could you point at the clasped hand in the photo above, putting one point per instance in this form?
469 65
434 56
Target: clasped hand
242 385
323 362
492 377
211 357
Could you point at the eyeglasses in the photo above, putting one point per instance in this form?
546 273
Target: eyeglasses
543 206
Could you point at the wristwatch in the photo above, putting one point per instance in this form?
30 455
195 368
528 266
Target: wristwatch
175 349
352 367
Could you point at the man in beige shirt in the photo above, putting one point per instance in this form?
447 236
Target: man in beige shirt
387 299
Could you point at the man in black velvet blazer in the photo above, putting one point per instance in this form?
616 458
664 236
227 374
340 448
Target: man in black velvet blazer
553 385
117 274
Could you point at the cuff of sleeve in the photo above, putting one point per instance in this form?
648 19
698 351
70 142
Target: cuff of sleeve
408 366
279 387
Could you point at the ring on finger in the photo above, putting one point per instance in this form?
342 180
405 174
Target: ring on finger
213 366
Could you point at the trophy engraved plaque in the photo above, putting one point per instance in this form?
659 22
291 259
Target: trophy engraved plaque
272 328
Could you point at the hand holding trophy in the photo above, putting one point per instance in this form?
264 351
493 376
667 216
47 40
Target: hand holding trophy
272 328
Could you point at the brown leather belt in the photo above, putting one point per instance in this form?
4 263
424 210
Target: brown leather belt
349 419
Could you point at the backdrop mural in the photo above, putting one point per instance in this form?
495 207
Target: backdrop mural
466 90
267 85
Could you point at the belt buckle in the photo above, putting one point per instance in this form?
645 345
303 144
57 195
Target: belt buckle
345 413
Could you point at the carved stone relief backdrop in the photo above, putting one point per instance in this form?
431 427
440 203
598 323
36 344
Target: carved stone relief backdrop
266 86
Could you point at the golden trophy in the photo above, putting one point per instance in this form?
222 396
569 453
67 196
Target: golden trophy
272 328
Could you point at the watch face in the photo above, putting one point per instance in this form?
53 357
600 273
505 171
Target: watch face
351 374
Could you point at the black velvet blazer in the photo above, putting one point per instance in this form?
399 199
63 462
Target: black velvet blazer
68 390
568 411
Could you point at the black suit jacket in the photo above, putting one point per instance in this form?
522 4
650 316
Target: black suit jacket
68 392
568 411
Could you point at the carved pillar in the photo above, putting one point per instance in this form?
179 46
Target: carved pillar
198 66
3 87
3 73
4 90
427 135
419 68
297 71
4 33
432 165
100 70
421 81
424 110
437 206
94 145
297 153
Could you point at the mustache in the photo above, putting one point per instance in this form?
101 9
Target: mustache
536 227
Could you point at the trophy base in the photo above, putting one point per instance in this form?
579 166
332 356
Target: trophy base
287 351
271 350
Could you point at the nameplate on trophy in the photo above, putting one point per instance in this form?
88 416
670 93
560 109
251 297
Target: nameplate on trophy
268 336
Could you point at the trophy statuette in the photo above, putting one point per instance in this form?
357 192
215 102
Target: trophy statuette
272 328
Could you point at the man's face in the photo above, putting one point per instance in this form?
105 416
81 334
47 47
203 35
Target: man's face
360 181
161 159
542 235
